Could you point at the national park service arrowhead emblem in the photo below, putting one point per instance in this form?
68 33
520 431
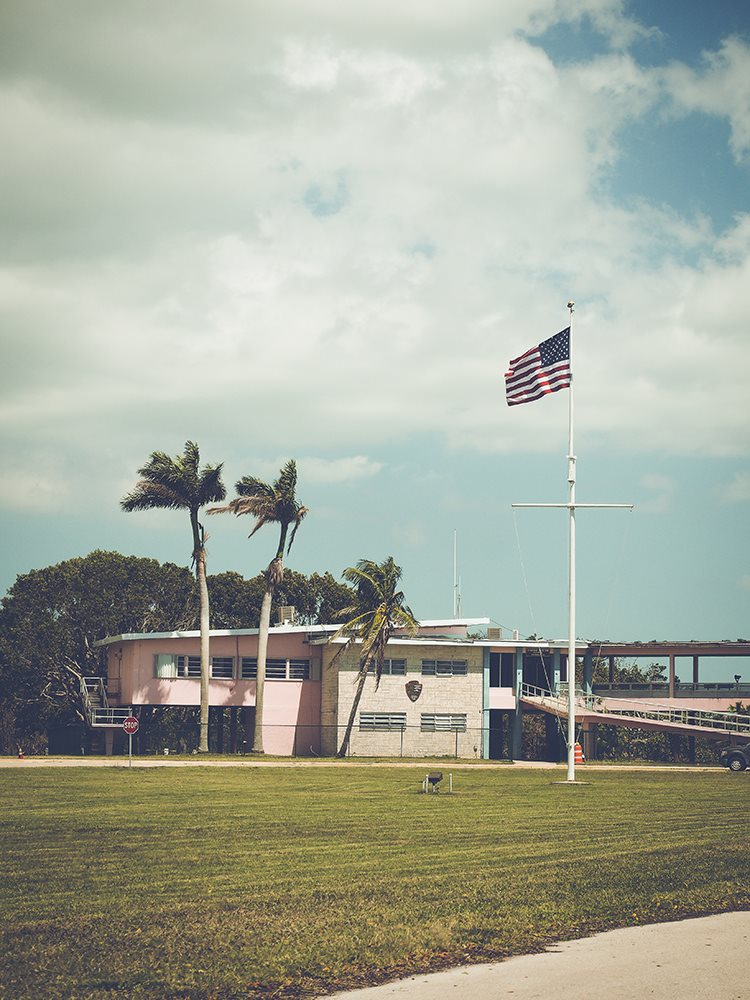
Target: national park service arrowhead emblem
413 690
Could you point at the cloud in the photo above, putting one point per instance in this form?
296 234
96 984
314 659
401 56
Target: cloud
661 489
738 491
229 243
338 470
37 492
721 87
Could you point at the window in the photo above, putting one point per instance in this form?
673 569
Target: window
222 667
172 666
189 666
394 667
299 670
443 722
444 668
165 665
276 670
377 721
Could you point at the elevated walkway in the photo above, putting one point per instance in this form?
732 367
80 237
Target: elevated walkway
638 714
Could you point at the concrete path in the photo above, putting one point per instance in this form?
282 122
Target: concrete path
703 959
250 761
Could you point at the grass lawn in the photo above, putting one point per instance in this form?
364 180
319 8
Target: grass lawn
208 882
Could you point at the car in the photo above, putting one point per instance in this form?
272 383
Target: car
736 758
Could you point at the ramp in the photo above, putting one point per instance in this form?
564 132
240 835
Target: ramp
637 714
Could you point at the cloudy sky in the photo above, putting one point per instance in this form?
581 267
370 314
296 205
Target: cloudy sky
320 230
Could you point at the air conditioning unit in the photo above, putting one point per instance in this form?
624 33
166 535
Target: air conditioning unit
287 614
494 634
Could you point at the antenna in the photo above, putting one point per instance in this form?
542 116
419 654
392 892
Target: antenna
456 578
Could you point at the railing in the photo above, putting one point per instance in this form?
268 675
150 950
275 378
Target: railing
722 689
98 712
729 722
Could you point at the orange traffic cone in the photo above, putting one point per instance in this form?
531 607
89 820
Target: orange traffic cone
578 754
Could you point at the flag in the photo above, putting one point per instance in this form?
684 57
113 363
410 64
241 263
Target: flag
540 370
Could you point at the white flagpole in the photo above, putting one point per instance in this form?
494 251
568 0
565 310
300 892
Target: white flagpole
572 507
571 568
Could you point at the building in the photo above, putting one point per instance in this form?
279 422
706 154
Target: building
457 688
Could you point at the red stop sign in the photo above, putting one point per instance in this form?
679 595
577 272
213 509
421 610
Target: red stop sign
130 725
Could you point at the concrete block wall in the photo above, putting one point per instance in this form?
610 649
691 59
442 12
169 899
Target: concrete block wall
454 695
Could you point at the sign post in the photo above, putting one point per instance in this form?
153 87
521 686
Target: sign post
130 726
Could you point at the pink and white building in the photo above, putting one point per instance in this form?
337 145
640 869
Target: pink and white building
445 691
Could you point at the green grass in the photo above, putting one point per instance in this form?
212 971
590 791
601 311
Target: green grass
203 882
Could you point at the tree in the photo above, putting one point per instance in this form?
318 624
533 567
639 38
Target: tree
269 504
377 611
180 484
50 620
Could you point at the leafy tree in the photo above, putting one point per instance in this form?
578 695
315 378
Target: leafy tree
317 599
235 601
180 484
51 618
377 611
628 672
274 503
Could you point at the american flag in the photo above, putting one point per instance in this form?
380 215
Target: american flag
540 370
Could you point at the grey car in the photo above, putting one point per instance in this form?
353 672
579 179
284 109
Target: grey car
736 758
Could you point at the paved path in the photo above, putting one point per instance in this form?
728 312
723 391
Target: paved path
249 761
703 959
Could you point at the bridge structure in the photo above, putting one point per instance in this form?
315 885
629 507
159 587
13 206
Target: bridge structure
676 705
638 714
723 693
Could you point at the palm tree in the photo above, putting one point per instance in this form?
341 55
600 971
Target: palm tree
378 610
268 504
179 484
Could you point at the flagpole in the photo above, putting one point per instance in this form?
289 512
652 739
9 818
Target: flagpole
571 569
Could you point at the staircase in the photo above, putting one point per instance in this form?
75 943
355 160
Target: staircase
99 715
638 714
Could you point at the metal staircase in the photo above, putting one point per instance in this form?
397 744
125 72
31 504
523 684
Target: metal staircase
99 715
634 713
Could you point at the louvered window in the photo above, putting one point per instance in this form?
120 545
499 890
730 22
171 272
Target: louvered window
378 721
443 722
444 668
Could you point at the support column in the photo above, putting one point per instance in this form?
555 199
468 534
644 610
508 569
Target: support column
588 672
486 703
109 738
233 729
515 746
611 670
219 718
695 670
556 670
671 675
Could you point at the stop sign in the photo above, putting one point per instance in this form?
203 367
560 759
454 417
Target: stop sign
130 725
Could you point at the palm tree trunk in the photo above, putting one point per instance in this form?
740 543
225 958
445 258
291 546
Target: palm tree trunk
364 670
274 576
199 552
260 683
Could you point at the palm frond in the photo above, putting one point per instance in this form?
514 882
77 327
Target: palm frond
150 495
210 487
301 512
248 486
175 483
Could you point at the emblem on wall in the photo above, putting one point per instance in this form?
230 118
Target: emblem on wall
413 690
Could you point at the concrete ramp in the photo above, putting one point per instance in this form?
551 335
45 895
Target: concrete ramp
639 714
